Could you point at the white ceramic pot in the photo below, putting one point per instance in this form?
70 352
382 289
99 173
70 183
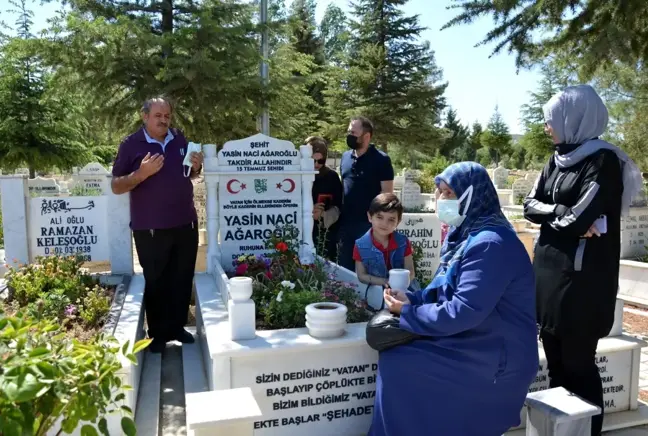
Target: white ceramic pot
326 320
240 288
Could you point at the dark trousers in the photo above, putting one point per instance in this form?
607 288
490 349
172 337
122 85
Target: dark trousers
572 365
168 259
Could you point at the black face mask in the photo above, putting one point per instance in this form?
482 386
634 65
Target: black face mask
352 142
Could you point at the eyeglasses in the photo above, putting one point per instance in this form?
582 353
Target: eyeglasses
320 161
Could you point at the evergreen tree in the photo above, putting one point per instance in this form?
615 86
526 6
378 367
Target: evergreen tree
457 139
595 33
391 78
475 136
335 34
39 127
304 30
497 137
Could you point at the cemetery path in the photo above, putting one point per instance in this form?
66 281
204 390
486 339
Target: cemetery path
172 393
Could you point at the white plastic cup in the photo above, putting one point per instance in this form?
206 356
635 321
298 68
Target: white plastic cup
399 279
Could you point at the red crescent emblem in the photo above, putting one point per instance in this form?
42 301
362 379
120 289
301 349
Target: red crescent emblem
291 182
231 190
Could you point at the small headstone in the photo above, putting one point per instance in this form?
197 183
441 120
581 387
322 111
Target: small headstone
424 231
92 178
634 229
521 188
411 192
399 181
500 177
639 200
532 176
41 186
200 202
254 196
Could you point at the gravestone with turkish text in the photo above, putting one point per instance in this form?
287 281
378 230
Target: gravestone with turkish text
200 202
69 226
411 193
424 231
92 177
500 177
42 186
257 194
634 229
521 188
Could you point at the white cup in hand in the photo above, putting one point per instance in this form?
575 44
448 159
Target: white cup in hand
399 279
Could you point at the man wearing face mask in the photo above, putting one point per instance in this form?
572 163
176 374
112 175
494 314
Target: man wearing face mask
366 172
149 166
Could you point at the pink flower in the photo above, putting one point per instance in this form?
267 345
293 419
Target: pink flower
241 269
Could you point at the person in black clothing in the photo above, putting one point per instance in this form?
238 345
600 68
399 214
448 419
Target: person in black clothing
578 200
327 200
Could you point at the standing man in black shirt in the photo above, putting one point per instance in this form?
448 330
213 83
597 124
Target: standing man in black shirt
366 172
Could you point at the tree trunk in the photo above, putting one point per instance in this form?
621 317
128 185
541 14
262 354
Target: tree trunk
167 26
32 172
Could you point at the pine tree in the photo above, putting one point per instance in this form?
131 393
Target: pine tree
497 138
39 126
475 136
458 136
553 81
391 77
304 30
595 33
335 34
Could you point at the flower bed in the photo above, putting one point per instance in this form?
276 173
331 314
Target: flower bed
57 288
61 370
283 286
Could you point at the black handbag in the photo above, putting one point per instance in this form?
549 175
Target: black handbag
384 332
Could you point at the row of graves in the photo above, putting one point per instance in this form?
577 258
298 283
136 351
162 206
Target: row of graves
267 379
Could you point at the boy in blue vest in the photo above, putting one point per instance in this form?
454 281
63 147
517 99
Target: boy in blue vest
383 248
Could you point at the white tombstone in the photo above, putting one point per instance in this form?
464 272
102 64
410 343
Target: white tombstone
634 228
399 181
411 192
200 202
96 228
500 177
521 188
424 230
255 185
92 177
42 186
532 175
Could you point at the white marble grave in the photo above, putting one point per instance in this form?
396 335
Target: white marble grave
42 186
92 178
424 230
521 188
500 177
634 229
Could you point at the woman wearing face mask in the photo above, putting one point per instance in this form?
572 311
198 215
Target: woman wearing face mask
578 200
327 201
479 353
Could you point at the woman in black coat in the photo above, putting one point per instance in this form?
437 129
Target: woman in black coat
327 201
578 200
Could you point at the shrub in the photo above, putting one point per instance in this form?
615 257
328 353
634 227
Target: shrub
48 379
57 287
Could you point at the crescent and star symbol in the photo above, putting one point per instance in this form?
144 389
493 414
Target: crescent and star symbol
291 185
231 188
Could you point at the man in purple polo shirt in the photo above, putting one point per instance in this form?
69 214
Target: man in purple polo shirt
149 165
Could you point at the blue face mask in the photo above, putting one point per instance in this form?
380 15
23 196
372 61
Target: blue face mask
448 210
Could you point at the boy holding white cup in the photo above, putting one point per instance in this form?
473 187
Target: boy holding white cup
383 248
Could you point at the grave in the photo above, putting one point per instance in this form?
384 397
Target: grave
424 231
500 177
411 193
634 229
521 188
200 203
43 186
92 178
96 228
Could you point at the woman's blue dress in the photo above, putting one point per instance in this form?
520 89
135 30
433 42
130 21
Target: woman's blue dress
471 374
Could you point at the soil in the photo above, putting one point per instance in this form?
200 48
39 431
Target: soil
634 323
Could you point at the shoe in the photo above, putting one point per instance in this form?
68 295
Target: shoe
184 337
157 346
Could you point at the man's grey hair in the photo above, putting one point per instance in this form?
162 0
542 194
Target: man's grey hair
146 107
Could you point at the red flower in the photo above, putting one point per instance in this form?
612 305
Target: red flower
281 247
268 274
241 269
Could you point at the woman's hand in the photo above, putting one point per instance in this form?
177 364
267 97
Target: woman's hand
395 300
592 231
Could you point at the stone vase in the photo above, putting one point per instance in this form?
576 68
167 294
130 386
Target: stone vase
326 320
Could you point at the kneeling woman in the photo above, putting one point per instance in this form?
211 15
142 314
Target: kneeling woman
470 374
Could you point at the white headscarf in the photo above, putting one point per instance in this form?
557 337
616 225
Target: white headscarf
577 115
